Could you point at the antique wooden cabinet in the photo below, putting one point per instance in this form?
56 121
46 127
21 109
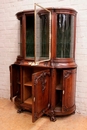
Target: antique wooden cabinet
43 77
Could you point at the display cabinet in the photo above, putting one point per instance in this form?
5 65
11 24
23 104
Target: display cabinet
43 77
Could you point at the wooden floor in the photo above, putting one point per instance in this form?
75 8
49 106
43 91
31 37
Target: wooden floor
11 120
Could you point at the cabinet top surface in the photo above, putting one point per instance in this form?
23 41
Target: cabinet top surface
52 9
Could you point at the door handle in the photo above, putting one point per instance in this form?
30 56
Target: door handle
33 99
63 92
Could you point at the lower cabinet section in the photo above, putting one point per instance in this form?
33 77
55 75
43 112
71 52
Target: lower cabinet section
43 90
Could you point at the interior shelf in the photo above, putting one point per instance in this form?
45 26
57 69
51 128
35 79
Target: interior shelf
59 87
28 83
58 109
18 82
28 101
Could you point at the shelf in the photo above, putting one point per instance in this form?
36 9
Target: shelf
58 109
19 82
59 87
28 101
28 83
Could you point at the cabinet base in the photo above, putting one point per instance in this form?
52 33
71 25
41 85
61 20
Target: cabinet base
65 112
52 113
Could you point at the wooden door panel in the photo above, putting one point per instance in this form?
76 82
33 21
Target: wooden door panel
69 85
14 81
40 93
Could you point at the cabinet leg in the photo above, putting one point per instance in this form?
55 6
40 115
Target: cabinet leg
19 110
52 117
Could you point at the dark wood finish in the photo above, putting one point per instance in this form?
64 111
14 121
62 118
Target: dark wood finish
69 80
15 83
48 87
53 52
40 93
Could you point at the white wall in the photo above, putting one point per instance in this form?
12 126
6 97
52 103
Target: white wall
9 39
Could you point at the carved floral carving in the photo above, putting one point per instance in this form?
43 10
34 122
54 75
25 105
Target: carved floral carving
42 78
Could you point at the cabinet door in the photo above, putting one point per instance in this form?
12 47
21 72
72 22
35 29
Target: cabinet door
42 34
14 81
69 84
40 93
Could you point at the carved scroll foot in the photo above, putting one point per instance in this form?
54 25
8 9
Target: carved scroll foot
19 110
52 117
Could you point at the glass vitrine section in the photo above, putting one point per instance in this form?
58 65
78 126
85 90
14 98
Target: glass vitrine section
65 36
42 34
30 36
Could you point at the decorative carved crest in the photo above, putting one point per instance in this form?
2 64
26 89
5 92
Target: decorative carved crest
67 73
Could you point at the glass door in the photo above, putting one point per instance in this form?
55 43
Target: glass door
65 36
29 36
42 34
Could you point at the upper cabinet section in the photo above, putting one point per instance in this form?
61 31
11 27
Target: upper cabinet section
47 34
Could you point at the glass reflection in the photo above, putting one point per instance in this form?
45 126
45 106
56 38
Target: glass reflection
30 36
65 36
44 20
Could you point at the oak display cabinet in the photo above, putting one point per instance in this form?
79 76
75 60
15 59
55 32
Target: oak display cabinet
43 77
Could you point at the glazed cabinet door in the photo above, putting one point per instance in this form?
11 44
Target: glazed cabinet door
40 93
69 85
15 83
42 34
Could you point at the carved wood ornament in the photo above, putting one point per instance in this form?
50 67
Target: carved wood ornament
42 78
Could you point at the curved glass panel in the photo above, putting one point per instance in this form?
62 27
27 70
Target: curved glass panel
65 36
30 36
